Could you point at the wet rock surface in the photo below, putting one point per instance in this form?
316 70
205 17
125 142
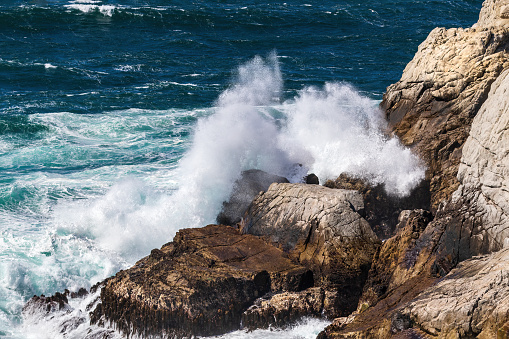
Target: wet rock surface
244 190
282 309
200 284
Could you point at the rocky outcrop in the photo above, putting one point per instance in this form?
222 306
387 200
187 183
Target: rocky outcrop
244 190
285 308
320 228
471 301
475 220
199 284
398 260
441 90
451 106
382 210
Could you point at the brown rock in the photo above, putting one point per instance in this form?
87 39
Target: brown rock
431 108
200 284
284 308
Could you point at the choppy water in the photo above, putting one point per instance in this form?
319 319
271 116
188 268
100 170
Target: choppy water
123 121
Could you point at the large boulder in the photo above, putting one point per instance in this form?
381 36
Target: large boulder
320 228
199 284
244 190
441 90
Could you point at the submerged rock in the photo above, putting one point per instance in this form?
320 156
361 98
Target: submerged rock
322 229
200 284
244 190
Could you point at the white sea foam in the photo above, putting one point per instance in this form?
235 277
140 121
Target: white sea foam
334 130
89 7
307 328
328 131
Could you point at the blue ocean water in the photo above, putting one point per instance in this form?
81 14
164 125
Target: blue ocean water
123 121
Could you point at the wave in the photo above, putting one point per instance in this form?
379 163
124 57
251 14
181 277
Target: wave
328 131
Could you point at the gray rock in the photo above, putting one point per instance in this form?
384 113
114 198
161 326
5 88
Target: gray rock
244 190
472 300
321 229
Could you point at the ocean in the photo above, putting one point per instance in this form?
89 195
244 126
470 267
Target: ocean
124 121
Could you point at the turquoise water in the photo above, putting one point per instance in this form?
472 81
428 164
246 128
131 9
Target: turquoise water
123 121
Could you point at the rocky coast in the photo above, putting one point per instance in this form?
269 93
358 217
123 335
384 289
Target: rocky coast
434 264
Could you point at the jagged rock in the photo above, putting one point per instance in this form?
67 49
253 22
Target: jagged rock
476 220
243 192
398 260
471 301
398 274
494 13
61 319
200 284
45 304
441 90
284 308
381 210
321 229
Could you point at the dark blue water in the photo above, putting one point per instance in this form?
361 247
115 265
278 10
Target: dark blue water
141 53
123 121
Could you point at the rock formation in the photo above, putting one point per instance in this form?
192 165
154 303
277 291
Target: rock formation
471 301
320 228
244 190
451 105
199 284
441 90
284 308
382 210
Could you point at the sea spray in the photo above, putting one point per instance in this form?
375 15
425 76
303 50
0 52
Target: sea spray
334 130
328 131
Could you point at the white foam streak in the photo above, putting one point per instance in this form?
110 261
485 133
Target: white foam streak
106 10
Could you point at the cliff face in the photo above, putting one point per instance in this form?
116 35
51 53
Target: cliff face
452 106
441 90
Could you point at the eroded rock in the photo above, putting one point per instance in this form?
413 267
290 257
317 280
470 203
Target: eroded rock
441 90
200 284
471 301
382 210
282 309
